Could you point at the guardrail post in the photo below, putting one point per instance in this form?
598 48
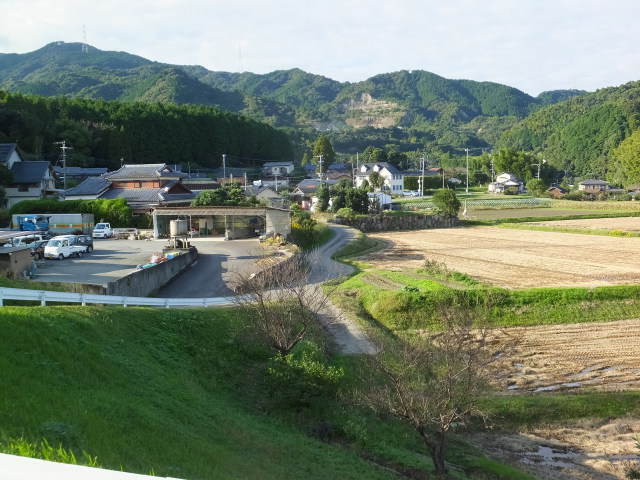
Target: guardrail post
124 301
43 300
82 299
166 303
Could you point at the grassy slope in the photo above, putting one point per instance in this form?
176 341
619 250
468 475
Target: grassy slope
150 390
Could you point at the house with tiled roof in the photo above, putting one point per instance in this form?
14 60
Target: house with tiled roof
144 187
393 177
277 168
31 180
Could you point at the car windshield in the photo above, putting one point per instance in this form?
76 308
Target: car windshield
54 243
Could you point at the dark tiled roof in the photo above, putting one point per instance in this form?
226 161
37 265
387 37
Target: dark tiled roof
341 167
29 172
91 186
310 185
80 171
594 182
370 166
144 171
276 164
310 167
6 149
146 195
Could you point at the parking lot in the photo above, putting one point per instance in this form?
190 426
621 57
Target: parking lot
113 259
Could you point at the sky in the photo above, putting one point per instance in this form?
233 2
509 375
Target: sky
532 45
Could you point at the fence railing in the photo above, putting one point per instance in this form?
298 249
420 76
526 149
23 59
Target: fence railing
490 203
44 296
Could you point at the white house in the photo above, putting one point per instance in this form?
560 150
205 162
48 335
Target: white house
31 180
277 168
504 181
393 178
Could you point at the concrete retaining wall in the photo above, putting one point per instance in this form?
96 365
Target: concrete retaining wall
414 221
142 282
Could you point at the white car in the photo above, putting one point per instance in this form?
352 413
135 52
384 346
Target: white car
411 193
63 247
102 230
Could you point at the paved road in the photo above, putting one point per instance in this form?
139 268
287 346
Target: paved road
217 263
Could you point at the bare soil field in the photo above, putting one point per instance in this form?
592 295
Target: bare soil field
626 224
548 359
515 258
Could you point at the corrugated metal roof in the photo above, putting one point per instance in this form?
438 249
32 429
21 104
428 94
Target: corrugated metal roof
207 211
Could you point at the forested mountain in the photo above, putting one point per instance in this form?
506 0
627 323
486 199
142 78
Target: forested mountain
104 132
406 110
593 135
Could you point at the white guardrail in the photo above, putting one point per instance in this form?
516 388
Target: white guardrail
44 296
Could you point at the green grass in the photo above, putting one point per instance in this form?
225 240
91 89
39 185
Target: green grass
362 245
151 390
499 221
182 393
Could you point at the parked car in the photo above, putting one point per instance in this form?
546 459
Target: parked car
63 247
411 193
37 248
86 241
102 230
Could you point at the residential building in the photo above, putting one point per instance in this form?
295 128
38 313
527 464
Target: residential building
31 180
277 168
144 187
593 186
393 178
505 181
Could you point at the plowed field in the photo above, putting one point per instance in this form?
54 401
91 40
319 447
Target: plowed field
516 258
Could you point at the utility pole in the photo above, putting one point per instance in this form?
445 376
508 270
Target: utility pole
64 148
276 175
245 181
467 150
224 168
422 178
320 163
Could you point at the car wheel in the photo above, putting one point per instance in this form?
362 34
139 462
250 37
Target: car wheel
89 249
60 256
78 254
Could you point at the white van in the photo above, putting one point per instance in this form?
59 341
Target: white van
102 230
62 247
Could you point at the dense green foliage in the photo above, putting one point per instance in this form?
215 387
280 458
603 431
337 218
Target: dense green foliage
228 195
580 135
446 202
115 211
418 110
102 133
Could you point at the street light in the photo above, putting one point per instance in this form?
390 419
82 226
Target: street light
467 150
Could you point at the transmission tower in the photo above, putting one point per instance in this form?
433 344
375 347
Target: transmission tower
85 47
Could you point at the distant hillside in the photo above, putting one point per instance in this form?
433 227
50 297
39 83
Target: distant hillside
434 113
581 135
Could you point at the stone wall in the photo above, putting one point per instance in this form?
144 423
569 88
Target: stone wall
413 221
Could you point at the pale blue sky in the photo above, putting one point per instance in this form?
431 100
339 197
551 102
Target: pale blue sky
532 45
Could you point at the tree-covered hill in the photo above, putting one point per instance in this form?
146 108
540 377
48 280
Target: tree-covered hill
583 135
434 114
104 132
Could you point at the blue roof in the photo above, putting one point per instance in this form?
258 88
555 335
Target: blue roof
29 172
6 150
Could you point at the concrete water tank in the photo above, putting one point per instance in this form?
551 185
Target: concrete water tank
177 228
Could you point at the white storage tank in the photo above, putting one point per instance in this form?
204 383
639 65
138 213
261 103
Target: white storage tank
178 228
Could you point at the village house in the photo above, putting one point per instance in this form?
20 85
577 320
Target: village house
144 187
280 169
393 178
593 186
31 180
505 181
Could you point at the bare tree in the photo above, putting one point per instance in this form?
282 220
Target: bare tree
432 382
281 303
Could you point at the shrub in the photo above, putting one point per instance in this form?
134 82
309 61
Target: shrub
347 213
446 203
